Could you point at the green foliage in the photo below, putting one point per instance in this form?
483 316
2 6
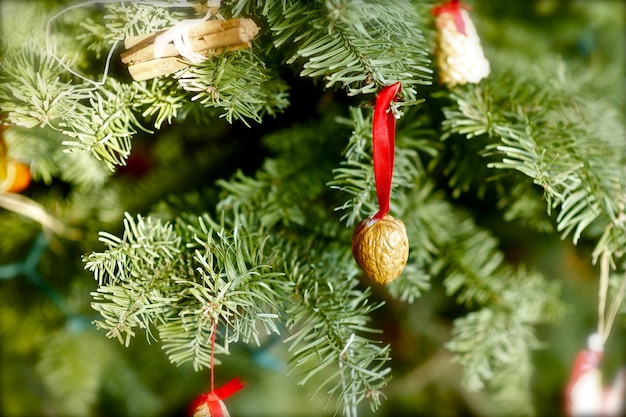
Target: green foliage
237 82
76 384
232 289
133 276
45 154
570 145
32 93
245 225
347 43
327 322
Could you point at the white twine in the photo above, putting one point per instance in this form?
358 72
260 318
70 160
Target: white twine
607 317
182 44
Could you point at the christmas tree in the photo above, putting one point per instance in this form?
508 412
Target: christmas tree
181 181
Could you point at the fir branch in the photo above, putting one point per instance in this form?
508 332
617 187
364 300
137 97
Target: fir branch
232 269
279 191
149 278
44 151
327 322
472 264
237 82
568 145
325 314
494 344
238 7
159 99
126 19
31 91
106 126
243 192
446 243
134 275
359 46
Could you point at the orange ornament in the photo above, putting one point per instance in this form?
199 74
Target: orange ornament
17 177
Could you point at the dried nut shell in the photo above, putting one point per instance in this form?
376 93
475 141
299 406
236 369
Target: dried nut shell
381 248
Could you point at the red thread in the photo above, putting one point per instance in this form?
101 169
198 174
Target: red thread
454 8
213 398
383 144
212 364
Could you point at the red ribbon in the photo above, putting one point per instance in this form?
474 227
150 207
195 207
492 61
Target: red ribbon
453 7
383 144
212 399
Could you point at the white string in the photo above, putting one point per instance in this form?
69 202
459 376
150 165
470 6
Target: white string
607 317
614 307
602 293
49 49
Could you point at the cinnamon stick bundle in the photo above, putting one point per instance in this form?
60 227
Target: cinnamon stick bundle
208 38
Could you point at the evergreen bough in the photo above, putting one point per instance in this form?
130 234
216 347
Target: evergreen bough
273 255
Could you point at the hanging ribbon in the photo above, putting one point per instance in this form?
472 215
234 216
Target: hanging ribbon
383 144
213 400
453 7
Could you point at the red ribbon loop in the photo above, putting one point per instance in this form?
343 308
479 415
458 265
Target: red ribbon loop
453 7
383 144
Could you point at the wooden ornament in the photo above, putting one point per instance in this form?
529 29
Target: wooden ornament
161 53
381 248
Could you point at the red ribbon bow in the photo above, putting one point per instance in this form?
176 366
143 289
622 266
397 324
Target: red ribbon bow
383 144
212 399
453 7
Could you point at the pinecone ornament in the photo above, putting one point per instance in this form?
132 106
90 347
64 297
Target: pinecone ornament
460 57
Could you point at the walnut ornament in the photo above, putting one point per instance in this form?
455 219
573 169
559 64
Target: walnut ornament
379 243
381 248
